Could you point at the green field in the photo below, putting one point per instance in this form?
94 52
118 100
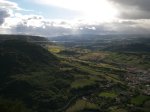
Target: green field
119 110
81 105
55 49
133 59
139 100
108 94
82 83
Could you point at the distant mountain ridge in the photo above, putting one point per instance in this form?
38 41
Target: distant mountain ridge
121 43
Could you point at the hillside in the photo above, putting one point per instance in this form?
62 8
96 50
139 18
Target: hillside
21 37
27 75
16 55
55 78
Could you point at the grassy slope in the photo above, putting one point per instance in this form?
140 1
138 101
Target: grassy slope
31 74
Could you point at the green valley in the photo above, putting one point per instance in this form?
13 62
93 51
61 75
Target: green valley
37 75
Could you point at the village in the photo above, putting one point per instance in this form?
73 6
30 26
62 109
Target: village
139 79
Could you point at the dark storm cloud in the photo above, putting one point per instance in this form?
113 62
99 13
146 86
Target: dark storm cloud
130 27
3 14
142 4
134 14
133 9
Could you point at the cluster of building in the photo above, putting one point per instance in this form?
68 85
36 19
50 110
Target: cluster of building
139 79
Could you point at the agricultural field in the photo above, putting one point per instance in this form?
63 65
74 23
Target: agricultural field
81 105
139 100
108 94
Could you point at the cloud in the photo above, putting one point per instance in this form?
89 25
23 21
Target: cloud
3 14
133 9
141 4
44 30
9 5
8 10
91 9
13 21
38 25
53 28
35 25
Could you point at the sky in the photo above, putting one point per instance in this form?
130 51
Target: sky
65 17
